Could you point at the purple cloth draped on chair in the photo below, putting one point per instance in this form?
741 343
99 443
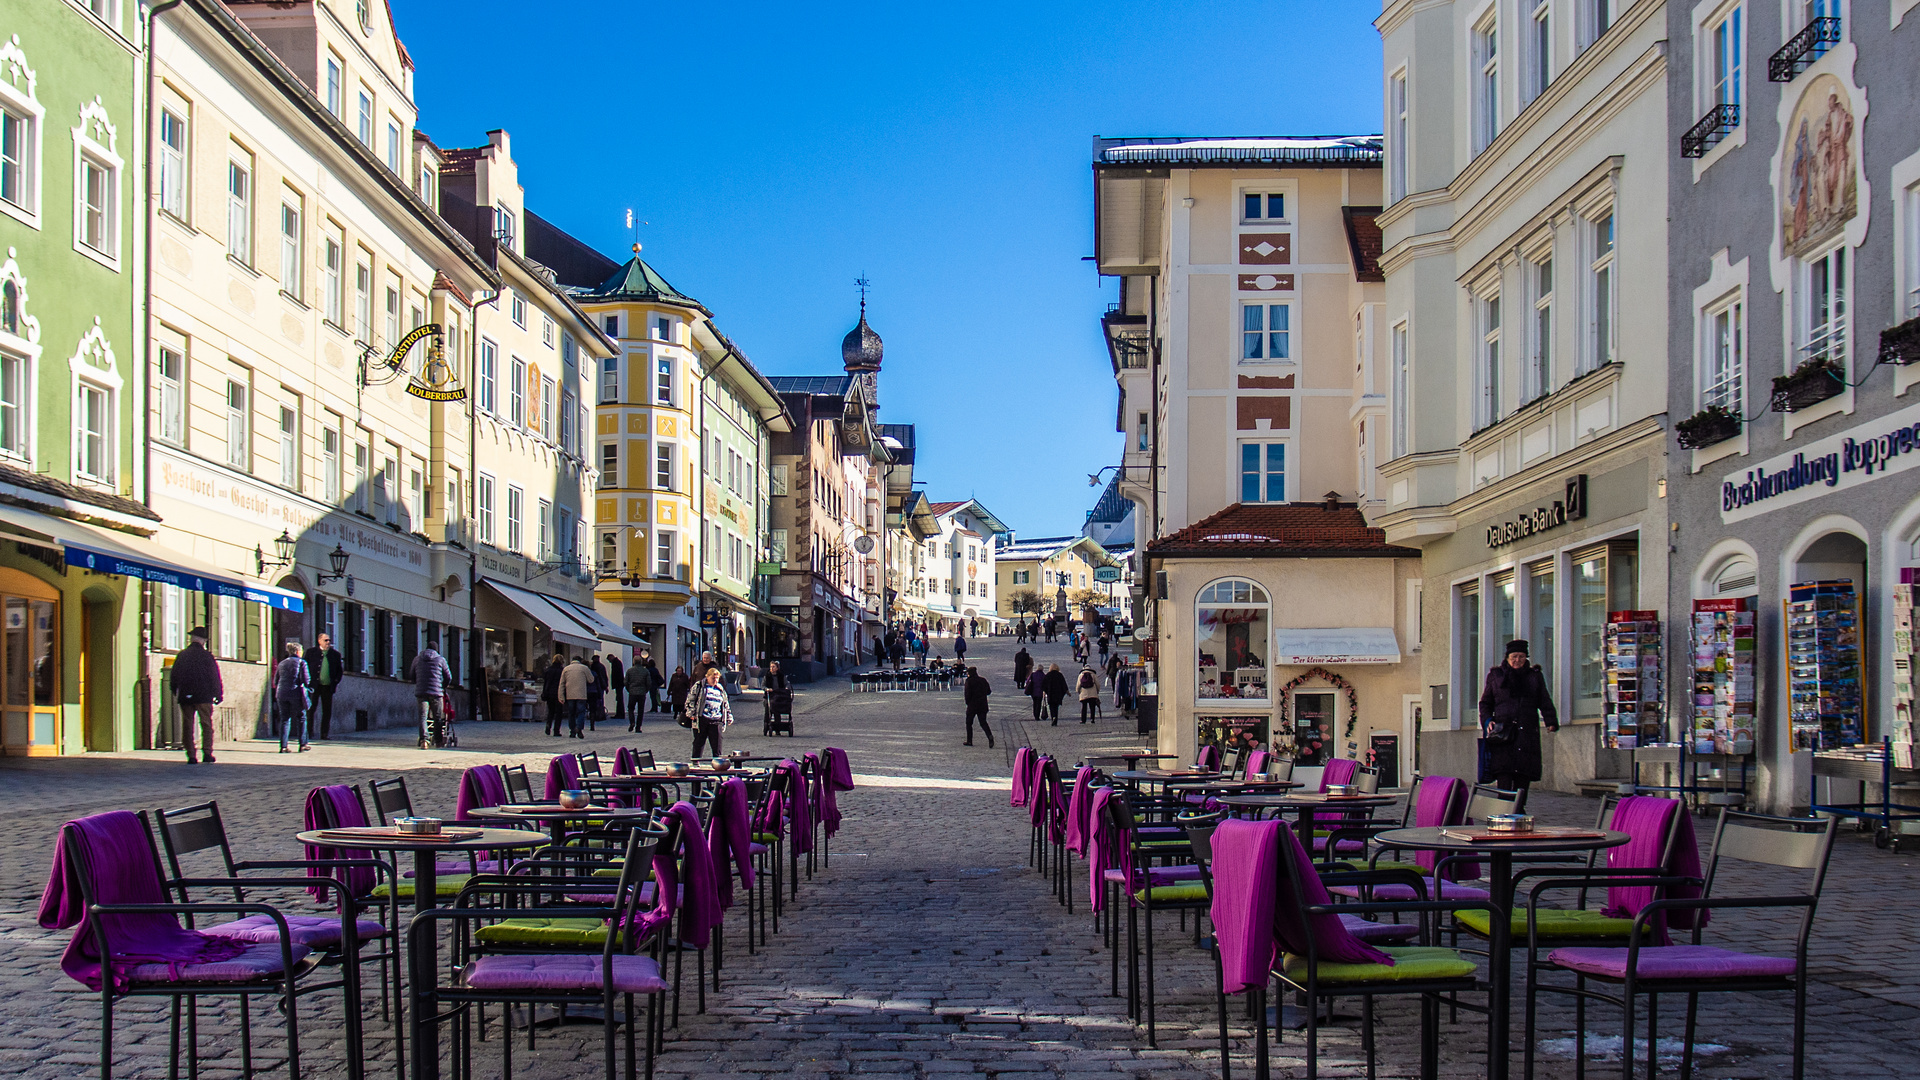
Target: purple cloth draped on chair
1104 850
702 896
1077 808
1039 799
730 839
336 806
839 778
1209 758
1647 820
1056 808
816 785
799 812
1338 771
1442 802
623 764
1254 914
122 869
563 774
1257 762
481 786
1022 763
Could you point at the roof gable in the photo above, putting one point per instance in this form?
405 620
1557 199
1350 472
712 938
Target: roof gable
1269 530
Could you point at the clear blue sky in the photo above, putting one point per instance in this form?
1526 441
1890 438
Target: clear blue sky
779 151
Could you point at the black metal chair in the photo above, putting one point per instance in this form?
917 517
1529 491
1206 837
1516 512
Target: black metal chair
519 788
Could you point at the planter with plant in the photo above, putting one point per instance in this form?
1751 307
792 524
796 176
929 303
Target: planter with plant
1713 424
1809 384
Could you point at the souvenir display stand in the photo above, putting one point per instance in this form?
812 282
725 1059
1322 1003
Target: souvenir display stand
1634 707
1824 704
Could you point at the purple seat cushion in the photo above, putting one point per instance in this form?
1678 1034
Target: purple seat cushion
1375 933
1159 875
758 849
313 931
443 867
631 974
1675 962
1393 892
258 962
1349 846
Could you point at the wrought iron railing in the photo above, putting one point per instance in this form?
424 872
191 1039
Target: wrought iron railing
1713 127
1803 48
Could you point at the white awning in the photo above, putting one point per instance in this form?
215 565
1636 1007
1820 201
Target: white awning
105 552
602 626
545 611
1339 645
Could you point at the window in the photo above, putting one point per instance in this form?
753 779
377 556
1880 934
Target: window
1400 387
483 506
609 380
1490 360
663 382
1264 332
290 246
426 184
1589 630
335 104
517 394
333 287
365 128
663 330
171 377
609 465
238 452
1397 137
393 315
612 325
519 311
1725 38
1821 9
1466 654
1723 383
516 501
173 164
663 467
569 439
97 217
19 146
546 408
289 448
240 209
363 299
16 412
1600 292
386 489
1540 334
569 351
362 495
609 551
546 330
330 464
1486 82
564 535
1263 472
545 548
393 146
1542 620
503 230
1506 608
1823 334
93 432
1231 623
1263 207
663 555
1539 51
1910 253
488 382
1140 433
1596 17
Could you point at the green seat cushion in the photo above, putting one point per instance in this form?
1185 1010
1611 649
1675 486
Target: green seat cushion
1394 864
1552 923
1180 843
444 885
1413 964
608 871
1184 892
546 933
766 838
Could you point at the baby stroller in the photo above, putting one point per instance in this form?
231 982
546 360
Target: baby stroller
779 720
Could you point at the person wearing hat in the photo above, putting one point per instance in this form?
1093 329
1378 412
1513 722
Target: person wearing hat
1513 705
197 687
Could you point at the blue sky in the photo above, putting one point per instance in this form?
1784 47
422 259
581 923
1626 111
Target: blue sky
779 151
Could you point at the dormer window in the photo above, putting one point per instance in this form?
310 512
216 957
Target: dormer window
363 11
663 330
426 183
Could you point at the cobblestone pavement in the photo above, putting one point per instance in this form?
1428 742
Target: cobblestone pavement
928 947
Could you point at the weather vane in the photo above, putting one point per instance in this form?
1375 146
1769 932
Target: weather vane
636 230
863 283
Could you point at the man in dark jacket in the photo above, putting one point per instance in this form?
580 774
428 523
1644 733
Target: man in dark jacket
550 693
324 668
197 687
1055 687
977 690
596 692
617 678
1022 663
1513 705
639 680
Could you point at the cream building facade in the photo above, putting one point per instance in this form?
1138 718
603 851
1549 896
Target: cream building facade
1052 568
960 568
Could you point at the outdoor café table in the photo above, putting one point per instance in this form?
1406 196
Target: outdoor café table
1303 807
664 778
1498 855
554 816
1134 758
426 881
1162 776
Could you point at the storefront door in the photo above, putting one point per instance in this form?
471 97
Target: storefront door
30 679
1313 727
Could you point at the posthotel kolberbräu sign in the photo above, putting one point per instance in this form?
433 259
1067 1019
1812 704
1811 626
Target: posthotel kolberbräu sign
1571 506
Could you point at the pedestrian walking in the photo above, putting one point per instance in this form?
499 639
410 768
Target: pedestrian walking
1513 706
1089 686
1055 687
596 692
1114 665
677 689
197 687
639 684
899 651
432 679
1037 690
1106 645
324 668
710 712
960 648
1019 632
617 678
576 682
700 668
1022 663
977 691
292 683
656 682
550 693
776 691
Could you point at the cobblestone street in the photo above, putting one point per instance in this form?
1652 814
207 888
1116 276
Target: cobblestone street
927 947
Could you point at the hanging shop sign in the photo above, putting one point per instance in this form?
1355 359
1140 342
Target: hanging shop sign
1106 575
436 380
412 337
1888 445
1571 506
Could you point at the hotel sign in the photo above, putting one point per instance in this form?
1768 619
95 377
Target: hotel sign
1571 506
1888 445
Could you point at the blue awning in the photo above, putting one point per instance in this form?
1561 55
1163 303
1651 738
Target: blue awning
104 552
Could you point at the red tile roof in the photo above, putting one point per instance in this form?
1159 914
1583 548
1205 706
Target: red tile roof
1363 242
1280 530
460 159
942 507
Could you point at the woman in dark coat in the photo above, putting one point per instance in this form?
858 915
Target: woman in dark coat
678 688
1056 688
1515 703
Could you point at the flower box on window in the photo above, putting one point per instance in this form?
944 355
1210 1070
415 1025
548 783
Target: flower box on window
1808 385
1713 424
1900 345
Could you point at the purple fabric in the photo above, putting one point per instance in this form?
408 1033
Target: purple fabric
1157 875
1022 763
702 892
1039 798
839 778
1256 762
799 812
1245 861
623 762
337 807
563 774
631 974
1383 932
314 931
1646 821
1077 807
771 812
1293 928
729 839
1675 962
481 786
1440 803
120 863
1105 851
1209 758
252 962
1338 771
1396 893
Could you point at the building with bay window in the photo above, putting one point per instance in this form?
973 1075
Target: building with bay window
959 567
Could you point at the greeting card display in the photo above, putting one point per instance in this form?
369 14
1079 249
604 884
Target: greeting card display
1635 715
1723 692
1904 595
1823 665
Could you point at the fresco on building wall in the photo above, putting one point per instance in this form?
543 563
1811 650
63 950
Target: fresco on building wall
1819 182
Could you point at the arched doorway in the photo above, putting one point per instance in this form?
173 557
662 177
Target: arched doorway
99 616
1827 642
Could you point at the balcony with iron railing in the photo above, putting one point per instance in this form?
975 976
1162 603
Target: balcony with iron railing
1719 122
1803 48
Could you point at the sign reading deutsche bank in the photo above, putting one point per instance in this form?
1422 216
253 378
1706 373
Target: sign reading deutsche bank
1871 450
1571 506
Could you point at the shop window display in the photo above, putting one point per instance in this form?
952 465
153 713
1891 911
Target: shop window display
1231 633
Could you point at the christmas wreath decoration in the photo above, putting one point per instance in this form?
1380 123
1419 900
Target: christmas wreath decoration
1353 698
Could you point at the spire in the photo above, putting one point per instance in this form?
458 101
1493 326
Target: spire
861 348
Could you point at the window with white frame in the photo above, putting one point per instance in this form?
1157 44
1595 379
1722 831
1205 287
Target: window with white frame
1400 388
173 162
1263 472
239 425
426 184
1824 290
1910 252
663 473
335 88
333 291
20 118
1595 19
516 502
517 394
240 207
1263 207
609 465
609 550
363 298
487 385
546 408
1539 49
1600 292
93 436
1540 329
97 200
170 379
663 381
393 314
568 437
1486 80
386 488
483 506
1726 39
1266 332
1488 396
609 379
16 408
1724 363
544 550
546 330
330 463
290 446
1141 432
393 146
666 546
364 127
518 309
663 330
291 245
1397 137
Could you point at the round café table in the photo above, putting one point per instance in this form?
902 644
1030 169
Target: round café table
1498 854
426 882
1304 807
554 816
648 778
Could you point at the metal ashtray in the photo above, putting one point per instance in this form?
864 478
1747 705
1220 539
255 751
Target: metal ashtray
1515 823
417 826
721 764
1340 789
574 799
677 768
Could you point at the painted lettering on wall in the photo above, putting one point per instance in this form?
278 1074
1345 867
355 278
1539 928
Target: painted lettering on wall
1873 449
1571 506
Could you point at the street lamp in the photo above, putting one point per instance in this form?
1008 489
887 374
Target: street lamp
282 547
337 558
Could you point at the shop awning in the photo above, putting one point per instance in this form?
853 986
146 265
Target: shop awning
104 552
602 626
546 611
1339 645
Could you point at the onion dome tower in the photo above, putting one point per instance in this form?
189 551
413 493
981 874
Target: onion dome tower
862 351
